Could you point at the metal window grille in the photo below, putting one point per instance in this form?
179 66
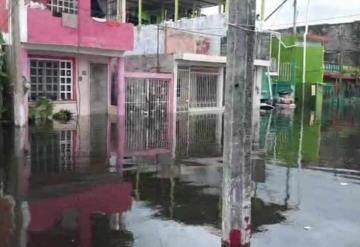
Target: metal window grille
285 73
146 113
63 6
66 147
52 153
111 9
198 135
197 88
51 78
183 83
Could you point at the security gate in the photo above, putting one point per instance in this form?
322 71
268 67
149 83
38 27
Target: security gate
147 108
199 135
197 87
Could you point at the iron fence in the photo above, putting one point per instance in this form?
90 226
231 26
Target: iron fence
146 109
199 135
197 88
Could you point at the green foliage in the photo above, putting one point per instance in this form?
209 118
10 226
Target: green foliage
3 72
63 116
41 110
4 81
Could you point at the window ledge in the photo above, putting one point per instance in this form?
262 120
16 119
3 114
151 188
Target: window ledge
64 101
57 102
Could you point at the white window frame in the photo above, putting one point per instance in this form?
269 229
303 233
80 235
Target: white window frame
44 155
64 6
63 78
66 149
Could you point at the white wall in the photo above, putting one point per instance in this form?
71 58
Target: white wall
146 36
212 25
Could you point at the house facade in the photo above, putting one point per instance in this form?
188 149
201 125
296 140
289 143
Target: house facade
190 50
72 53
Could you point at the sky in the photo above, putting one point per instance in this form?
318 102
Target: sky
320 11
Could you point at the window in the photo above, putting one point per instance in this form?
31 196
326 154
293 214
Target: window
66 149
111 9
51 78
107 9
53 152
63 6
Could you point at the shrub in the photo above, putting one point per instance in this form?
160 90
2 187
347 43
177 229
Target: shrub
63 116
42 110
4 80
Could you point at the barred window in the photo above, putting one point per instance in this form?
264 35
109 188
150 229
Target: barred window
51 78
111 9
52 153
63 6
66 148
107 9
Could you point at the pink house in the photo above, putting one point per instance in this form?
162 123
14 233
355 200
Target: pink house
73 53
3 17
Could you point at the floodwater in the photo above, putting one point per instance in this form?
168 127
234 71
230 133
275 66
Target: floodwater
156 181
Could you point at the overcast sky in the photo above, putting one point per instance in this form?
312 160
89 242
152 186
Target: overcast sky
320 11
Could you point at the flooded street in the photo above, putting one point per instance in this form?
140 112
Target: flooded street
156 181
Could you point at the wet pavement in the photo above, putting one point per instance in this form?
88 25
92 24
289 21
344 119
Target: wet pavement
157 182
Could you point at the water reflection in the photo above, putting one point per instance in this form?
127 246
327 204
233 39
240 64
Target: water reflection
156 181
199 135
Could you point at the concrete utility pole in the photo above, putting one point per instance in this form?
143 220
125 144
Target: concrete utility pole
18 154
236 206
295 17
15 66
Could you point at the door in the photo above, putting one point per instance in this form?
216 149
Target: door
147 113
98 88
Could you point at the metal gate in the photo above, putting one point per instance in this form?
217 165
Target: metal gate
197 87
147 108
199 135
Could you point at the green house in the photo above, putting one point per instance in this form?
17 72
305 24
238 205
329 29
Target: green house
290 51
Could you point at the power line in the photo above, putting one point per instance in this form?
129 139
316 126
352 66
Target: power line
272 13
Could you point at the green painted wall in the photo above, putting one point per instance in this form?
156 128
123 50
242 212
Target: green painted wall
287 133
314 61
265 87
314 64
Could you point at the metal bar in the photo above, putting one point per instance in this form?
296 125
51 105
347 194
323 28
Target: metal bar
140 12
176 14
142 75
272 13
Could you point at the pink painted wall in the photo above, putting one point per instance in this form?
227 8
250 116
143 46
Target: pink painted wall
3 17
121 87
43 28
109 198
